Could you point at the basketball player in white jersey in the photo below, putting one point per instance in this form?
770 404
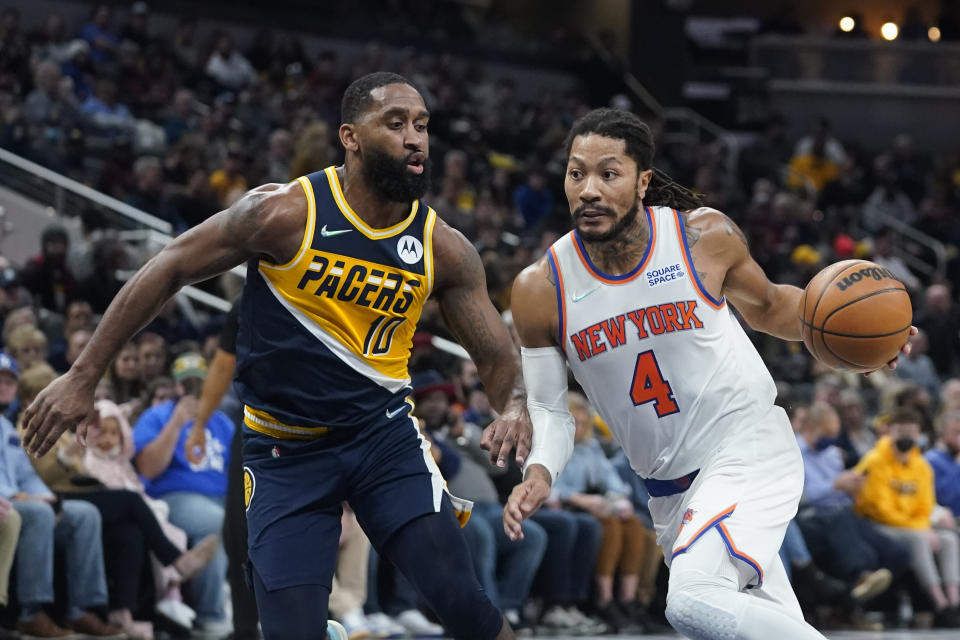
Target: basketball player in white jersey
636 300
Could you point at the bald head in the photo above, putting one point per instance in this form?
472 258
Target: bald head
938 298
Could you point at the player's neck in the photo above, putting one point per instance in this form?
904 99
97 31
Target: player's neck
377 212
622 254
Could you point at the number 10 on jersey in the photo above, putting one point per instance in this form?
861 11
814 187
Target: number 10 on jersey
649 386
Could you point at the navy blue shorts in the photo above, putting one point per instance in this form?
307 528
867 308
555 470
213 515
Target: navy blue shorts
295 490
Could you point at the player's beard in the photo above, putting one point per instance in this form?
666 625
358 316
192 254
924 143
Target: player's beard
391 180
613 232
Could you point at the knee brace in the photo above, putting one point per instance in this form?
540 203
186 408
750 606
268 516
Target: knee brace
700 619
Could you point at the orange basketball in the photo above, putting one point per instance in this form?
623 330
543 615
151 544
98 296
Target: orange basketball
856 315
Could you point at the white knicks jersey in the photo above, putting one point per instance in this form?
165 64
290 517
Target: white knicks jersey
667 367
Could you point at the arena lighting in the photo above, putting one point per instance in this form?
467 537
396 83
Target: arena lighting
847 24
934 34
889 31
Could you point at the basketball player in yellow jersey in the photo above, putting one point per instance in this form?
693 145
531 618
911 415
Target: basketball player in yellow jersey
340 263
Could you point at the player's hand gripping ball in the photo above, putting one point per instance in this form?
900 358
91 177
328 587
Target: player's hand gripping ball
856 315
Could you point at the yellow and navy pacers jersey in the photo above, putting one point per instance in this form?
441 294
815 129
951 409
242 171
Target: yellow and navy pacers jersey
324 339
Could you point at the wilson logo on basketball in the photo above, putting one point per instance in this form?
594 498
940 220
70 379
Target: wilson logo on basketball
877 273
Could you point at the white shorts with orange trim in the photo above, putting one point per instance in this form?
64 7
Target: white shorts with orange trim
747 492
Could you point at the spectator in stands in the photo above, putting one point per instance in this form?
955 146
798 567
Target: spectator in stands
136 29
939 317
856 436
898 494
46 275
79 318
279 156
945 460
105 114
312 151
228 182
48 523
102 39
811 171
228 66
11 295
107 458
27 345
9 534
505 568
152 349
50 113
534 199
182 117
919 367
846 545
126 379
884 256
195 493
148 191
590 483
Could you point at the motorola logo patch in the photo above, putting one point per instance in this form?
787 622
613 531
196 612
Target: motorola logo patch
410 250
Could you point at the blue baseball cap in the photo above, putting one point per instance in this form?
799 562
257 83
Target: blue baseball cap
9 364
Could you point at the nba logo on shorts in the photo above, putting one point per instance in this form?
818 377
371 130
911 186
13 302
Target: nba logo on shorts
249 487
687 517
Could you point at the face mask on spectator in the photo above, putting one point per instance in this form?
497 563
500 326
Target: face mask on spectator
904 444
825 442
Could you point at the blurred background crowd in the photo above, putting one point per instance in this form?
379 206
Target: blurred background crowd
177 119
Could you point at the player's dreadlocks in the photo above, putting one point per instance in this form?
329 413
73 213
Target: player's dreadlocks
626 126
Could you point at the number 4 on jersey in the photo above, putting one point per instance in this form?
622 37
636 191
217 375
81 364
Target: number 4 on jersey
649 386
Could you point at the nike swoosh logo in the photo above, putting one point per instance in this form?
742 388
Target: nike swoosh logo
392 414
327 234
577 297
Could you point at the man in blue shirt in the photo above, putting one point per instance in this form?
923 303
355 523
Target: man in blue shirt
844 544
945 460
46 523
195 492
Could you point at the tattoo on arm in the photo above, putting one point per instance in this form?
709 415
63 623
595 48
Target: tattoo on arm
692 233
733 229
550 277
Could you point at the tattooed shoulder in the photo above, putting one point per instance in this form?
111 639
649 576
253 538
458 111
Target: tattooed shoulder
733 229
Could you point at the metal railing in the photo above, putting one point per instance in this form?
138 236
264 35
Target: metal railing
68 198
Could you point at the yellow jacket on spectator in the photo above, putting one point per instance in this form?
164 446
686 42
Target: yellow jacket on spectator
896 494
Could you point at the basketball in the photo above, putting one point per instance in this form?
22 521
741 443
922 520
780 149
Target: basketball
856 315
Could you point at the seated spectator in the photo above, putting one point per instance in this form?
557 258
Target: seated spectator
228 66
112 119
918 367
129 526
152 349
182 117
856 436
79 316
194 492
125 375
148 191
9 534
898 494
506 568
848 546
228 182
945 460
102 39
49 113
811 585
48 523
590 483
939 316
46 275
107 458
28 346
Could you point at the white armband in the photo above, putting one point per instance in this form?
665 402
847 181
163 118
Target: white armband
545 376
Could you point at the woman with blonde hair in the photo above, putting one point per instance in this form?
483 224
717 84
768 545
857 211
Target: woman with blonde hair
312 152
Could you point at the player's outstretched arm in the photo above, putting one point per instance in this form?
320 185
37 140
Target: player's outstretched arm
535 316
461 289
264 222
767 307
